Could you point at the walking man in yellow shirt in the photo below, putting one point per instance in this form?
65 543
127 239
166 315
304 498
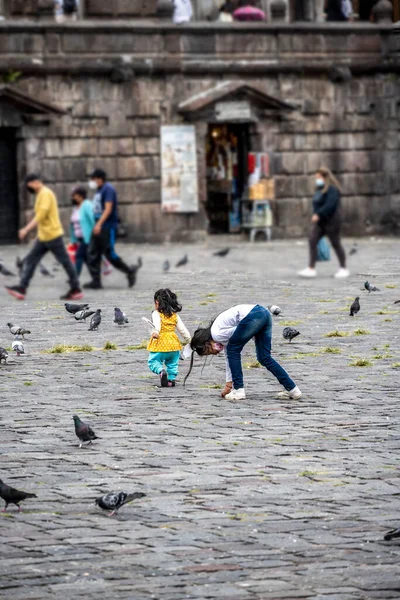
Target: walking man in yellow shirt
49 239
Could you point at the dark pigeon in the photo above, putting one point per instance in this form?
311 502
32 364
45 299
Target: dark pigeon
82 315
370 288
95 320
83 432
396 302
45 272
17 330
166 266
391 535
274 310
114 500
355 307
3 355
17 346
120 317
222 253
19 263
289 333
12 496
353 250
74 308
6 272
183 261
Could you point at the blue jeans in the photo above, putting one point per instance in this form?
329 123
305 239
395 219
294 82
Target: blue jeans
257 324
170 359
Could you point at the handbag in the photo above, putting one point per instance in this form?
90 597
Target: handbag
323 250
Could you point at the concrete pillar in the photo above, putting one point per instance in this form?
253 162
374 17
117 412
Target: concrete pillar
383 11
206 10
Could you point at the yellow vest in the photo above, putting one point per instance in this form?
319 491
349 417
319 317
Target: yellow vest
46 214
168 340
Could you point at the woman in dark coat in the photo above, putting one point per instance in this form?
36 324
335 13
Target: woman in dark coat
326 220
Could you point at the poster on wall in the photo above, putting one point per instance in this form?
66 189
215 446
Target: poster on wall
179 192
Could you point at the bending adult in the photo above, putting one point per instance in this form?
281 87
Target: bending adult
326 220
81 226
230 332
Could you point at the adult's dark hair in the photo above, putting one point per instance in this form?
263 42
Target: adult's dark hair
167 302
99 174
80 191
32 177
200 340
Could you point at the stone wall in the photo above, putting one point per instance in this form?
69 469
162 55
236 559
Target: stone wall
344 86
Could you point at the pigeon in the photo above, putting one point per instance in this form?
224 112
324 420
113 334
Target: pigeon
74 308
182 261
354 249
3 355
45 272
95 320
82 315
370 288
289 333
19 263
17 330
274 310
120 317
17 346
222 253
12 496
396 302
114 500
6 272
355 307
166 266
83 431
390 535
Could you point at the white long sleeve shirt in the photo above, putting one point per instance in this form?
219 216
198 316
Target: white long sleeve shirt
183 11
225 326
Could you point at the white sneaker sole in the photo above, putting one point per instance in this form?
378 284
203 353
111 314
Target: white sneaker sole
287 396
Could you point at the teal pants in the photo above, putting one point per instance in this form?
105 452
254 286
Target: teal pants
170 359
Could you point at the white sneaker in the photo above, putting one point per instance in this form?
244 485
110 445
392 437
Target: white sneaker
309 273
342 274
294 394
236 394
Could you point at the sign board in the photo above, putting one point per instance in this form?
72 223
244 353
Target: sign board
233 111
179 169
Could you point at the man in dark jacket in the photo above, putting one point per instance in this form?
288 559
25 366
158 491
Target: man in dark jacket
333 9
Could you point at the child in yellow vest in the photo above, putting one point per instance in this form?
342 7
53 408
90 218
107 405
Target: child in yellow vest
164 345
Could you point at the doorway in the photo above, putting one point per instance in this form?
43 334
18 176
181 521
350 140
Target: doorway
9 209
227 155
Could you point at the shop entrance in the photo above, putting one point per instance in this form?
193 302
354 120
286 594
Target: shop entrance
8 186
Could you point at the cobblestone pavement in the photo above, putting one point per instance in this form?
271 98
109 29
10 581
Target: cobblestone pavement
261 499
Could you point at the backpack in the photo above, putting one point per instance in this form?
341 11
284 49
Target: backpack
69 7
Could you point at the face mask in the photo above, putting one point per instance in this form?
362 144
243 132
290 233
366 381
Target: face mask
31 190
92 185
319 182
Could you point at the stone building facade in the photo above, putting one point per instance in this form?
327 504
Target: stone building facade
96 92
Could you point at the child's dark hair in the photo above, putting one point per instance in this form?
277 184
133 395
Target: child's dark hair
167 302
200 340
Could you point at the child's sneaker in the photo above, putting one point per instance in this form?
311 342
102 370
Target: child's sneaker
308 273
16 291
236 395
294 394
171 383
164 379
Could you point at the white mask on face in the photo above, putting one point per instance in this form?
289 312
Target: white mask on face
92 185
319 182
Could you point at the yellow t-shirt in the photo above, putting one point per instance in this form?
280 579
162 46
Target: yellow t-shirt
168 340
46 213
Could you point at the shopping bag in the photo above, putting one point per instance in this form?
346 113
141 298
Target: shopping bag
323 250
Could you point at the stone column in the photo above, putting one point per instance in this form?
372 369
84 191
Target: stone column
206 10
383 11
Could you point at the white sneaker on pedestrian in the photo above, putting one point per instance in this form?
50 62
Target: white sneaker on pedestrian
308 273
294 394
236 394
342 274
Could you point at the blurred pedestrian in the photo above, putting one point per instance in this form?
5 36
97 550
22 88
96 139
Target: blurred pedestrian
338 10
249 10
66 10
226 12
81 226
183 11
326 221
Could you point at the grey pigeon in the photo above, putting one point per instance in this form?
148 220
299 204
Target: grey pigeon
83 432
120 317
17 330
370 288
289 333
45 272
12 496
74 308
114 500
353 250
95 320
274 310
183 261
355 307
82 315
17 346
222 253
396 302
166 266
4 271
3 355
392 534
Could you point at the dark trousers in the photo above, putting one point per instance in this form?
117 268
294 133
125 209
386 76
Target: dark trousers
81 256
103 244
258 325
331 229
39 250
